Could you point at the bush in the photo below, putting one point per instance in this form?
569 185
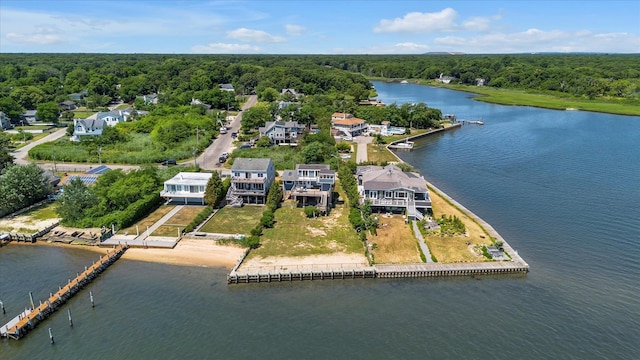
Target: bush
311 211
137 210
202 216
356 219
257 231
253 242
267 219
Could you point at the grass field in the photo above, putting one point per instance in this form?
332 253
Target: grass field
296 235
379 154
178 221
230 220
395 242
44 212
456 248
82 114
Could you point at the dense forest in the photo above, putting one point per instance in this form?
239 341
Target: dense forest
29 80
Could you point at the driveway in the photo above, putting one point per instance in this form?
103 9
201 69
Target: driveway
362 141
208 160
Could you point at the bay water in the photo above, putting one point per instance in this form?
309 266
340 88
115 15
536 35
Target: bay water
562 187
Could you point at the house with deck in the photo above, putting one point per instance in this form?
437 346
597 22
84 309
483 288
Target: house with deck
282 132
348 124
112 118
310 185
87 127
389 188
250 181
186 188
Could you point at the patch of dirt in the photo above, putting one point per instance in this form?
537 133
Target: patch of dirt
316 232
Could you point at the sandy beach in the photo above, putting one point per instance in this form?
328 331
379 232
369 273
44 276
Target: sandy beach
336 260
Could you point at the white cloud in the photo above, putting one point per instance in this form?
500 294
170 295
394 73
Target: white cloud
399 48
477 24
295 30
417 22
222 48
42 36
255 36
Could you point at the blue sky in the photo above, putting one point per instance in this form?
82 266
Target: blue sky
319 27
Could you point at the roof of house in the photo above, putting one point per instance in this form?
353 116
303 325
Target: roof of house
114 113
289 175
190 178
90 123
347 121
341 115
251 164
390 177
30 113
226 86
68 102
292 175
312 166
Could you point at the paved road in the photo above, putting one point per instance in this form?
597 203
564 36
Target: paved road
22 153
362 141
208 160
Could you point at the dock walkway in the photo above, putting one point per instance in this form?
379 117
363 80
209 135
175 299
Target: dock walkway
26 321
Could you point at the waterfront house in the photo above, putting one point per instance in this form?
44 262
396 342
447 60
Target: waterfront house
186 188
445 79
389 188
250 181
5 122
282 132
348 124
87 127
310 184
385 129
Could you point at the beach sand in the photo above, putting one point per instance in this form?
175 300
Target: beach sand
332 261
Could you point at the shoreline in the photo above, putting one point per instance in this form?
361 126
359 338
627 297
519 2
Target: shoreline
188 252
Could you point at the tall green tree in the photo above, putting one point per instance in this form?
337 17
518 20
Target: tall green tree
214 191
48 112
21 186
5 158
74 201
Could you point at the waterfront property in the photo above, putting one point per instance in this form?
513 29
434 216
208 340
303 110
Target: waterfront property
385 129
389 188
250 181
310 184
282 132
186 188
348 124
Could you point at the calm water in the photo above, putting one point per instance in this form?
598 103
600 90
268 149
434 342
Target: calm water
563 187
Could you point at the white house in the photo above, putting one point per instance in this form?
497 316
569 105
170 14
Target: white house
348 124
282 132
112 118
87 127
226 87
385 129
391 189
250 180
291 92
186 188
310 184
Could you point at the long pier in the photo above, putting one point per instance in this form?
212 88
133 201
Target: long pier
27 320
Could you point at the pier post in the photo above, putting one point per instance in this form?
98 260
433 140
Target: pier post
31 299
91 298
69 314
51 337
2 307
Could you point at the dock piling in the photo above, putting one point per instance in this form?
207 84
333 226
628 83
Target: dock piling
69 314
33 306
2 307
51 337
91 298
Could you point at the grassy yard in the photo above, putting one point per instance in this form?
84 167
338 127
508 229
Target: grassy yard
44 212
178 221
379 154
149 220
395 243
296 235
82 114
230 220
456 248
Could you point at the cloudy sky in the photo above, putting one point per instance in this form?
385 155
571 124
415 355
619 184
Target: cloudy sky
319 27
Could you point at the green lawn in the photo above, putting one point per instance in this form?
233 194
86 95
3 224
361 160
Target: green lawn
296 235
230 220
82 114
43 212
379 154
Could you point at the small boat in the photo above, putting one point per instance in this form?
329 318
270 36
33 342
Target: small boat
402 145
477 122
404 82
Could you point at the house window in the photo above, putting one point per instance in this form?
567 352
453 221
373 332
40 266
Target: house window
260 175
236 174
388 194
401 194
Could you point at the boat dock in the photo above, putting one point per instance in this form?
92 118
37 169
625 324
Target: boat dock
27 320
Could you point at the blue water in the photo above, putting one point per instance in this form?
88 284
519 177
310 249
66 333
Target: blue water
561 186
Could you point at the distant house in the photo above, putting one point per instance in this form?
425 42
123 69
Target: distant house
79 95
67 105
5 122
348 124
186 188
310 184
29 116
445 79
282 132
87 127
291 92
372 102
391 189
385 129
112 118
198 102
52 178
226 87
149 99
250 181
480 82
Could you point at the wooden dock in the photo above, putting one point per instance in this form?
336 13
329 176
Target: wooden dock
29 318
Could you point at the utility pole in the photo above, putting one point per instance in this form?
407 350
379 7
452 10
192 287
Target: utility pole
100 155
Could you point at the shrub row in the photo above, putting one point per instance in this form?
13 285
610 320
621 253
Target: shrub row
198 219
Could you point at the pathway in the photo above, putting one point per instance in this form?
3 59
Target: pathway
145 234
21 154
423 245
362 141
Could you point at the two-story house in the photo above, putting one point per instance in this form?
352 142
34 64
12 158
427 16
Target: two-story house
282 132
87 127
348 124
186 188
310 184
111 118
250 181
389 188
5 122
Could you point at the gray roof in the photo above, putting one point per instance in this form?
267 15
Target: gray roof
289 175
390 177
91 123
251 164
312 166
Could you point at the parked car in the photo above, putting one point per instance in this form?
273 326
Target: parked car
223 130
222 159
169 162
234 135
